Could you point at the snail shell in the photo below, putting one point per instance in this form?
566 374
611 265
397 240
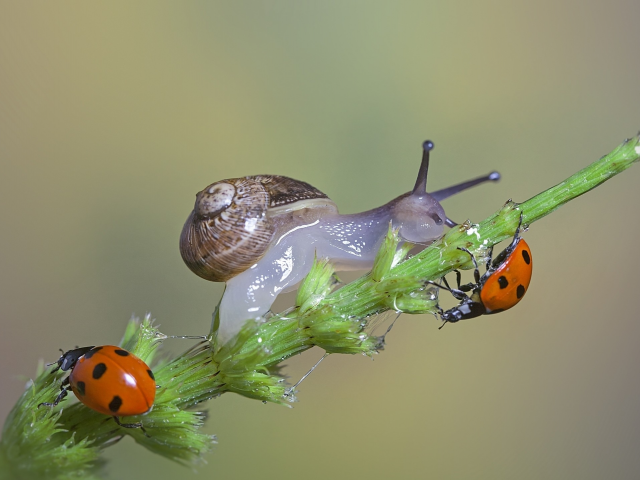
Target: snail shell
234 221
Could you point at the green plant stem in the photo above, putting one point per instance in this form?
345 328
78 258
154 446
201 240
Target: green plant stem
401 285
65 442
443 256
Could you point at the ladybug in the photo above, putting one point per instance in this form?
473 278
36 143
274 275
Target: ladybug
109 380
501 287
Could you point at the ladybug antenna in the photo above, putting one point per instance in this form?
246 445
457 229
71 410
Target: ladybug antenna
452 190
421 182
55 369
440 312
58 362
444 322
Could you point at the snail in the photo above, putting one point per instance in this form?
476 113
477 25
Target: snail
260 235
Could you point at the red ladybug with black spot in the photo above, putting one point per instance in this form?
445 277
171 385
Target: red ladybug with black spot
502 286
109 380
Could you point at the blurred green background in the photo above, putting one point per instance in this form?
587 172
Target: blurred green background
112 117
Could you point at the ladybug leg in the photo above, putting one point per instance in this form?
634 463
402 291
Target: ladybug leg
64 390
446 284
516 235
130 425
488 258
457 294
458 278
476 272
466 287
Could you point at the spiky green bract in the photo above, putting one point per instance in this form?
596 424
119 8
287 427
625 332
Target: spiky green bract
142 339
316 285
35 445
385 256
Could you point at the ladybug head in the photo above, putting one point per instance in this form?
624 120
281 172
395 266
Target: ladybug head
451 316
68 359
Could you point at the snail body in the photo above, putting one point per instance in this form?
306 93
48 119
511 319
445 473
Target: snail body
260 235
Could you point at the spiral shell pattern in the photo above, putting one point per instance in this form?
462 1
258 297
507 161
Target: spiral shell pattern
229 230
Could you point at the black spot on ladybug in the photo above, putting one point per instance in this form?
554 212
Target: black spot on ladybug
122 353
151 374
80 388
503 282
526 256
90 353
520 291
115 404
99 370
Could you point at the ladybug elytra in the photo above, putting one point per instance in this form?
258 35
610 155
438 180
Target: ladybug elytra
109 380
